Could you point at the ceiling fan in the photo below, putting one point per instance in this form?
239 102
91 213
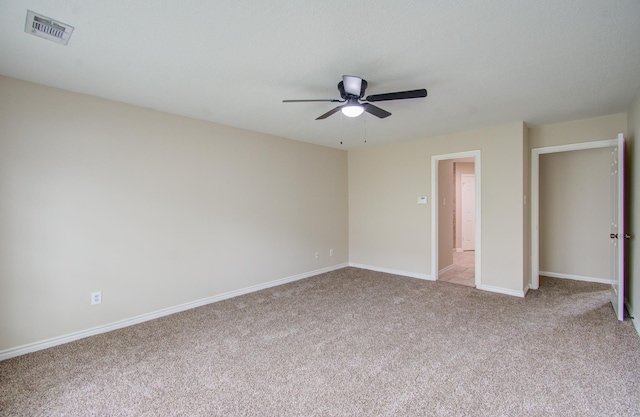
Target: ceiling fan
352 90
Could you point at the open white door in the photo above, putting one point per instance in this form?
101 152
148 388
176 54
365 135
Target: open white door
617 235
468 203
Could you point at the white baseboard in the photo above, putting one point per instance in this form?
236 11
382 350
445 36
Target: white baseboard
634 320
501 290
575 277
33 347
445 269
427 277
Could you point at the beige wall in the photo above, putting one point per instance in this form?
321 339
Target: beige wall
387 229
575 213
597 128
158 210
526 208
633 186
445 214
152 209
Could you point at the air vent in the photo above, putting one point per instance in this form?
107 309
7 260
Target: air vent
47 28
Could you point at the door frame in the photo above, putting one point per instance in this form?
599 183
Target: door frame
435 159
535 196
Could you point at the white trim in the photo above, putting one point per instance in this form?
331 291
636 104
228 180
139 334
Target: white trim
505 291
619 275
534 218
32 347
634 320
393 271
445 269
459 250
535 196
434 211
427 277
576 277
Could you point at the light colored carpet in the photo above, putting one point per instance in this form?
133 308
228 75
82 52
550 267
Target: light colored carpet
349 343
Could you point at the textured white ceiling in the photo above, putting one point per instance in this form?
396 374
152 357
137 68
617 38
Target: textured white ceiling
233 62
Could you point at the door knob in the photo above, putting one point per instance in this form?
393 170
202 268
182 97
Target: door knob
613 235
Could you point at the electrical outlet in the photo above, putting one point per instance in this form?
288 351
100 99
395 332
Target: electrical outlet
330 252
317 255
96 297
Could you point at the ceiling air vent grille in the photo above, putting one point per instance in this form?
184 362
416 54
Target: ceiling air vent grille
47 28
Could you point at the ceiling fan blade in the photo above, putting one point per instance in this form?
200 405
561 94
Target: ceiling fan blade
313 100
400 95
376 111
352 85
329 113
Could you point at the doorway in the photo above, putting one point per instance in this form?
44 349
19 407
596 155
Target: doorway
447 186
616 238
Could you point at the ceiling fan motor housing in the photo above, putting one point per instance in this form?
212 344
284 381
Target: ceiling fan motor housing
345 95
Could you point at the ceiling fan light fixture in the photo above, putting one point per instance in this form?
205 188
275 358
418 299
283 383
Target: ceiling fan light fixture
352 110
352 90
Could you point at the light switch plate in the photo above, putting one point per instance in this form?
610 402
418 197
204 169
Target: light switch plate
422 199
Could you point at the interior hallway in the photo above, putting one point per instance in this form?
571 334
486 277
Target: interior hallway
463 271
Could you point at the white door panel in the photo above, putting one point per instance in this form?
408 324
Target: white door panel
617 235
468 207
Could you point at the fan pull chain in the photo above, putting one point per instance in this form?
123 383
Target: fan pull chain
341 128
364 124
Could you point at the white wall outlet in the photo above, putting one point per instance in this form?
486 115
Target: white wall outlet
96 297
317 255
330 252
